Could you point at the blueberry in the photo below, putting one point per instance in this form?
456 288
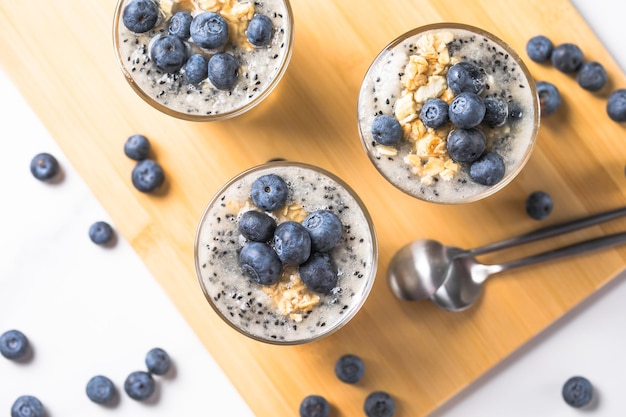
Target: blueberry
100 233
14 345
319 273
567 57
27 406
465 76
488 169
549 98
100 389
197 69
223 71
515 111
158 361
269 192
168 53
539 205
379 404
349 368
292 243
260 262
259 30
325 229
180 25
466 110
256 226
140 16
616 105
496 111
466 145
592 76
139 385
577 391
386 130
434 113
539 48
44 166
314 406
147 176
137 147
209 30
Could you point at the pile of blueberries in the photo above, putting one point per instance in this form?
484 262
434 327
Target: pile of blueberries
568 58
466 143
269 247
207 30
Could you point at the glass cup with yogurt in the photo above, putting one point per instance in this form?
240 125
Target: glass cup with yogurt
288 309
256 38
406 121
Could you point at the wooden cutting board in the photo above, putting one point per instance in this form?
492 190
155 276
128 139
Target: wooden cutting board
62 60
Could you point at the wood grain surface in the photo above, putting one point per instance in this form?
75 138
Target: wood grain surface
61 58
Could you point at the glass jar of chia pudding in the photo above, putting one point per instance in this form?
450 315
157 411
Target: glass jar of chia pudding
203 60
286 253
448 113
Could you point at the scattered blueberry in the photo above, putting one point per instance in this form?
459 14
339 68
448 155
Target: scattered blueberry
466 145
319 273
139 385
616 105
256 226
379 404
209 30
465 76
147 175
260 262
466 110
488 169
259 30
137 147
567 57
140 16
539 205
350 368
496 111
180 25
577 391
539 48
44 166
158 361
325 229
292 243
27 406
386 130
223 70
549 98
434 113
100 233
314 406
197 69
14 345
100 389
592 76
269 192
168 53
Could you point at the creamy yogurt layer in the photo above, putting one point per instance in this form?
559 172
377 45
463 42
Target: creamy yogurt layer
285 312
418 165
260 67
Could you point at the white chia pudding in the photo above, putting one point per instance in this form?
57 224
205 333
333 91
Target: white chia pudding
175 91
413 70
285 312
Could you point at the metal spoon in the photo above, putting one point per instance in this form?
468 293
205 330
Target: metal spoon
419 268
466 276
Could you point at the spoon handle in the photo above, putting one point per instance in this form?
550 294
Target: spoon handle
549 231
579 248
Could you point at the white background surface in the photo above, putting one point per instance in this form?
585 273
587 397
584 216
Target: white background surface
90 310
